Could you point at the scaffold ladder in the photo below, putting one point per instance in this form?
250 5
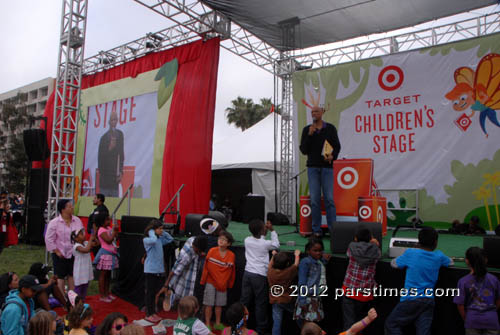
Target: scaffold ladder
66 103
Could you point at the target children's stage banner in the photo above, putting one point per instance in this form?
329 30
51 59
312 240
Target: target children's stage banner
428 118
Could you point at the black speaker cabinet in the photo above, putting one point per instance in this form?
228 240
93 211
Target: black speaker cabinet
342 233
36 225
35 144
135 224
38 187
277 219
491 246
192 227
253 207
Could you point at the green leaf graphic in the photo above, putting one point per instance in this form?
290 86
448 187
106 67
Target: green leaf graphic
167 75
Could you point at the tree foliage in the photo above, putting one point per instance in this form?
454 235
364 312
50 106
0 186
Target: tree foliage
244 113
14 118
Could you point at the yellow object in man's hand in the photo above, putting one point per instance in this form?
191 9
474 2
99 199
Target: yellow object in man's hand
327 149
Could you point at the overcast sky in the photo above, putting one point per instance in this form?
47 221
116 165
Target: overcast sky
29 47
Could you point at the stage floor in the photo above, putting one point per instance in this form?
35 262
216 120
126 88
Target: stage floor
451 245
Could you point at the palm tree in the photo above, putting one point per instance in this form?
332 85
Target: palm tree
244 113
483 193
493 180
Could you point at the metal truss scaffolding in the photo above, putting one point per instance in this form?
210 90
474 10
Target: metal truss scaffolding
192 20
66 103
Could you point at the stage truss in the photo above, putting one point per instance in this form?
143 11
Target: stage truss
66 103
193 21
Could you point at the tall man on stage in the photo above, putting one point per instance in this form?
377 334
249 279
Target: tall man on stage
110 158
320 142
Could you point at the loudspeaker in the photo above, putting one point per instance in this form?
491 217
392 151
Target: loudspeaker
135 224
253 207
36 225
342 233
219 217
278 219
35 144
491 246
38 188
192 227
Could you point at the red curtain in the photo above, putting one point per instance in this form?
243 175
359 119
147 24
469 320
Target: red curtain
187 156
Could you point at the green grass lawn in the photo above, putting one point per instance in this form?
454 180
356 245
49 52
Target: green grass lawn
18 258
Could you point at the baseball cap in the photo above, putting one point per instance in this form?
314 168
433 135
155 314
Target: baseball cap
30 281
208 225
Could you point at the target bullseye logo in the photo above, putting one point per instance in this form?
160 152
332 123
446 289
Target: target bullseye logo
391 78
86 185
305 210
365 212
380 214
347 178
463 122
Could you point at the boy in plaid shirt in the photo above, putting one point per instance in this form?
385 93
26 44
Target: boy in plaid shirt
359 279
181 280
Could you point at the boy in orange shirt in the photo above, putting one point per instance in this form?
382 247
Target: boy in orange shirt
218 275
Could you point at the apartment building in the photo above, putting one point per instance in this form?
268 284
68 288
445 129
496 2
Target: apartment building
33 98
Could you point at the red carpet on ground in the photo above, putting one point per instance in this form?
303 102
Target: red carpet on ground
101 309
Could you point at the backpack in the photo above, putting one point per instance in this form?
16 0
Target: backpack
22 314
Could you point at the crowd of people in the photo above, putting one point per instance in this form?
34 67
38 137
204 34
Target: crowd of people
207 261
11 208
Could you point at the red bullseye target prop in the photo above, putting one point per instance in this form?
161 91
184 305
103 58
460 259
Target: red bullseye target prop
391 78
365 212
305 210
347 178
380 214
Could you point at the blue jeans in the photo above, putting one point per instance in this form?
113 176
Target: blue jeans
417 311
278 310
321 179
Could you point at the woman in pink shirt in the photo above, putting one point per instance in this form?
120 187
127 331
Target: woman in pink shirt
58 242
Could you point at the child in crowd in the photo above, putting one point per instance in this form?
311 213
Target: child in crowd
49 284
187 323
8 281
82 266
212 229
181 280
254 284
360 325
422 268
154 266
80 318
43 323
19 306
311 328
106 259
479 296
237 317
312 273
282 272
113 324
73 300
218 275
474 227
363 255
